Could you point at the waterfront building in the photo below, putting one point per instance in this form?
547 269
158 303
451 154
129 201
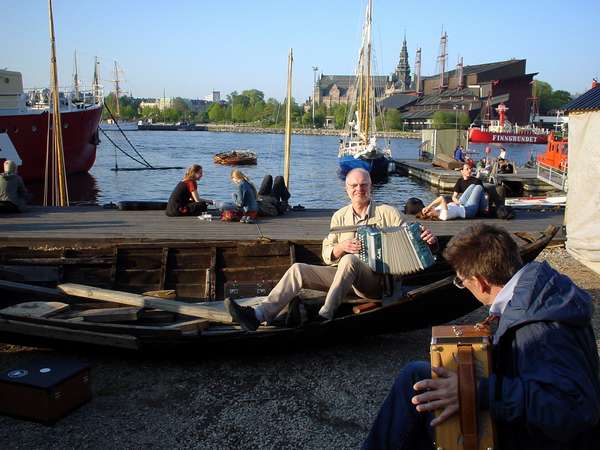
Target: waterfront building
400 81
339 89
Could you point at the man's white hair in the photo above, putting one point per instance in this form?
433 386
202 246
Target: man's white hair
10 167
359 170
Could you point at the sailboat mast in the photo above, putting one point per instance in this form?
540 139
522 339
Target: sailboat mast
368 82
288 123
117 91
60 197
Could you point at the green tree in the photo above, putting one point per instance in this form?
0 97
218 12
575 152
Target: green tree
393 119
450 119
216 113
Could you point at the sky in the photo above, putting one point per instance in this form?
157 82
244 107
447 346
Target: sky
189 48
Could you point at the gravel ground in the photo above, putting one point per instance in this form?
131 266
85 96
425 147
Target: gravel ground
315 397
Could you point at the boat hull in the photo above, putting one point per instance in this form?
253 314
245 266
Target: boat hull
478 136
29 134
377 167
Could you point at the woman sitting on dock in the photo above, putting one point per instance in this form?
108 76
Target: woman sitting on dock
471 202
245 197
184 200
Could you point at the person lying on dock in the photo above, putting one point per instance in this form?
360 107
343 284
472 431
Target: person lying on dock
470 203
273 196
13 194
184 200
245 196
544 390
344 270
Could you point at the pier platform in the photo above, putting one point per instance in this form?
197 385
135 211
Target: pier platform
41 225
523 182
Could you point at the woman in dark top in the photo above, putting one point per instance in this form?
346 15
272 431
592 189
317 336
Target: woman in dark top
184 200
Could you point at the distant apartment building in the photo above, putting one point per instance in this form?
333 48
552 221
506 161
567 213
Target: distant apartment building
159 103
214 97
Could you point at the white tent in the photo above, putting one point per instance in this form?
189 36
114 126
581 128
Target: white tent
583 196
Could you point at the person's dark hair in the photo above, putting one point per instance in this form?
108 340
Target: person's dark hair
484 250
413 205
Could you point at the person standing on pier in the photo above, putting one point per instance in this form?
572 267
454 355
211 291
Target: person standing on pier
13 194
344 270
184 200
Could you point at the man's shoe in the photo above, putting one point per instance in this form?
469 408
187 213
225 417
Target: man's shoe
244 315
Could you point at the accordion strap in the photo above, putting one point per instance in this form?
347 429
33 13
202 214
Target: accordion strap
466 394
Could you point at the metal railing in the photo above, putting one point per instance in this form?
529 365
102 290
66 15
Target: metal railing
553 176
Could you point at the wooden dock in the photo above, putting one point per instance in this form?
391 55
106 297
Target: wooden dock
524 179
41 225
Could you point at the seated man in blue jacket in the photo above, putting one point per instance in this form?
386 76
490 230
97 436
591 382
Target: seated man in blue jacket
544 392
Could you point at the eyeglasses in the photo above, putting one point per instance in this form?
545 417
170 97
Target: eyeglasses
458 282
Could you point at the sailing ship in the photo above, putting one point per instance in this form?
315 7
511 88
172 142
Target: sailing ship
502 131
25 126
359 147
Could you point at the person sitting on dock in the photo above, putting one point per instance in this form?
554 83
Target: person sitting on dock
184 200
464 182
273 196
344 270
245 196
544 390
13 194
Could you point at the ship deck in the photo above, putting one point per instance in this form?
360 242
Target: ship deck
90 225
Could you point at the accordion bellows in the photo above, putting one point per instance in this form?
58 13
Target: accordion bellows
395 250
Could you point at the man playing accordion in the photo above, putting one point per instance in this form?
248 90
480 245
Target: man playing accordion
544 389
344 270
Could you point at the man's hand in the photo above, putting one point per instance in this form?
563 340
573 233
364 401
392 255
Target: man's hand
428 236
441 393
347 246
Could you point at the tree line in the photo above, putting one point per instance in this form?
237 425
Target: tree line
251 107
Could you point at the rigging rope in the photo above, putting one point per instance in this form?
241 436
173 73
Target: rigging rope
146 163
123 151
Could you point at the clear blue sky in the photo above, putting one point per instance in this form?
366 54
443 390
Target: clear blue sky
191 47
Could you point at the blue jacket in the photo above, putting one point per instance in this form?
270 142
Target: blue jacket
245 197
545 390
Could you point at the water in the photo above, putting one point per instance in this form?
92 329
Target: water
314 181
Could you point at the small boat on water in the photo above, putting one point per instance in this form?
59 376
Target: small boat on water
236 158
99 295
553 164
502 131
359 147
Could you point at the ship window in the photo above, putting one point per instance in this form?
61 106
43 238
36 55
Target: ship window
7 80
15 130
33 128
65 126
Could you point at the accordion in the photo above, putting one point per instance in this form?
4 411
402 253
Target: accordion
466 350
396 250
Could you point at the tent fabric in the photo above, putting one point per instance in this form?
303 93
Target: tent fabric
583 196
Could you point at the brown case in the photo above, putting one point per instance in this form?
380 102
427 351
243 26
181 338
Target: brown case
44 392
245 289
466 350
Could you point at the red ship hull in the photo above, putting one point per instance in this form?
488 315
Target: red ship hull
479 136
29 133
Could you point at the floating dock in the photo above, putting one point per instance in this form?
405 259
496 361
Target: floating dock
522 183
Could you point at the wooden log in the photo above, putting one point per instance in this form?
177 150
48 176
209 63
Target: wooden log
65 334
110 314
168 294
212 313
34 309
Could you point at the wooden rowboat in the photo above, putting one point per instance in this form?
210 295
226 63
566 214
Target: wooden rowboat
235 158
99 295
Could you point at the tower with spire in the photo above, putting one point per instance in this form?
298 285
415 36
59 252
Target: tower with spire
400 80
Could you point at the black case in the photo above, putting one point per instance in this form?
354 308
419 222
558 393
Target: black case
44 392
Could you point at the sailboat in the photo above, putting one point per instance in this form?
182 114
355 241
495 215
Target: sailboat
359 147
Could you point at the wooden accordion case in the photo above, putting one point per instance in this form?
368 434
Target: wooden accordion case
466 350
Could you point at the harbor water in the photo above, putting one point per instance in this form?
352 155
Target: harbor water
314 182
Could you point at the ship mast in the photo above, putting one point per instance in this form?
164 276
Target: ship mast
418 72
117 91
59 194
368 81
75 78
288 123
96 83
